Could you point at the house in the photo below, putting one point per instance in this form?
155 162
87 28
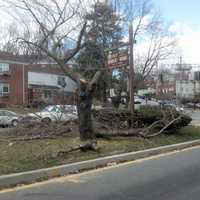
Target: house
24 83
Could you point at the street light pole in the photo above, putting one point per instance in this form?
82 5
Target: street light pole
131 70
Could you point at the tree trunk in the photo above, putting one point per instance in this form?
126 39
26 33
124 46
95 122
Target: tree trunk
104 95
85 115
86 92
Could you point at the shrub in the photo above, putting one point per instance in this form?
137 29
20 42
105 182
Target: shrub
145 116
182 122
150 114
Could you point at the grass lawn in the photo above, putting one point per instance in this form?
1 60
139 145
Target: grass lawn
23 156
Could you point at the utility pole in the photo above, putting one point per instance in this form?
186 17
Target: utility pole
181 76
131 70
181 69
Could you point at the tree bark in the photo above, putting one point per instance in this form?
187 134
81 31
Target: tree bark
86 91
104 95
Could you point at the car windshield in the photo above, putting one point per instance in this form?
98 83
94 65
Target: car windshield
51 109
7 113
59 108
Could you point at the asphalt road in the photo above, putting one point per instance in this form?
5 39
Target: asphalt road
195 114
171 177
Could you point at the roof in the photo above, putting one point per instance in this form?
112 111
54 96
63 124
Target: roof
6 56
29 59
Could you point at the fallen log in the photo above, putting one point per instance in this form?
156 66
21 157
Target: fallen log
119 133
148 132
164 128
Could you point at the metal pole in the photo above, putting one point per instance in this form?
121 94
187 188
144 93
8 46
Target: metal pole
181 77
23 86
131 71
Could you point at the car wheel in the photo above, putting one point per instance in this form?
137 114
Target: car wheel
46 120
14 123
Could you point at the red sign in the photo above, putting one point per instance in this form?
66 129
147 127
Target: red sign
117 60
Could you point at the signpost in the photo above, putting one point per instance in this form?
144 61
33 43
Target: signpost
117 58
131 70
121 57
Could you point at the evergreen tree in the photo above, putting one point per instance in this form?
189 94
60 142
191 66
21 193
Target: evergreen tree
105 32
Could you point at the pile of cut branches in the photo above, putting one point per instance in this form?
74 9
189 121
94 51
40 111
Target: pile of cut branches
116 119
147 122
42 130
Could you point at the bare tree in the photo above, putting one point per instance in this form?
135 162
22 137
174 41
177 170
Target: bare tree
158 46
149 34
135 15
48 26
10 43
139 13
7 43
52 26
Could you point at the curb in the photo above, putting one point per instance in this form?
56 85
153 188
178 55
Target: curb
44 174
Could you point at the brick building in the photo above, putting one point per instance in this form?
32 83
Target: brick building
166 86
166 90
23 83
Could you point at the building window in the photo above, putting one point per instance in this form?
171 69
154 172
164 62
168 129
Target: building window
47 94
4 67
4 89
61 81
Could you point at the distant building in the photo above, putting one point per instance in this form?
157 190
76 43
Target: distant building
166 86
189 89
146 92
24 83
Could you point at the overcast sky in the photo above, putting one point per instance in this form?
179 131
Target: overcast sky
185 17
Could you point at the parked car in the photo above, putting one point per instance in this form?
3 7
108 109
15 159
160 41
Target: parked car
174 106
9 118
192 105
56 113
142 102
